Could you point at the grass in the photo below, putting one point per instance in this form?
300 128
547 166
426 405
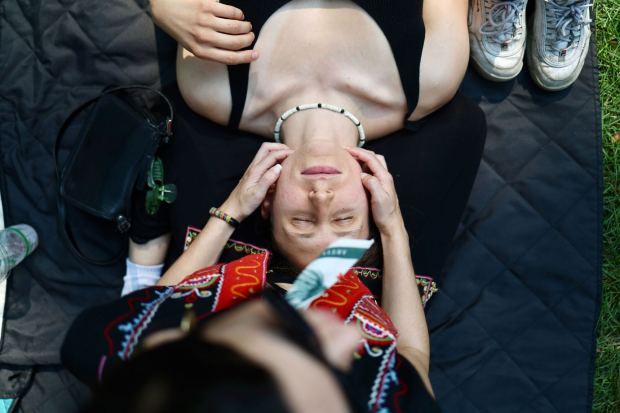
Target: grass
607 374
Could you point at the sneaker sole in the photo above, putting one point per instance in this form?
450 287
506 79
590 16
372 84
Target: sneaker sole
494 77
551 85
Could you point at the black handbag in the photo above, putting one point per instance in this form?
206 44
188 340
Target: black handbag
114 155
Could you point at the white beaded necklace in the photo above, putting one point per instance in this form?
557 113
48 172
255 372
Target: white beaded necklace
277 136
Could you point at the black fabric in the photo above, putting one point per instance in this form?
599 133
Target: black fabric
401 23
54 56
512 328
53 389
102 338
434 163
521 289
16 380
205 162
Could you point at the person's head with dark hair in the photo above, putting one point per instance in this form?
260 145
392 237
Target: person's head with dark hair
188 375
251 358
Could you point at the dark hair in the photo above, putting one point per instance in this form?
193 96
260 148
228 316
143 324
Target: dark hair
188 375
373 258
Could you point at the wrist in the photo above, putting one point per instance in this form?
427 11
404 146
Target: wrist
224 217
233 209
394 225
394 235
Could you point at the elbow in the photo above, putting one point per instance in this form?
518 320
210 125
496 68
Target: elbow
421 362
418 357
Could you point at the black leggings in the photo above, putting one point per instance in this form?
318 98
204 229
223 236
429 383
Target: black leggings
433 161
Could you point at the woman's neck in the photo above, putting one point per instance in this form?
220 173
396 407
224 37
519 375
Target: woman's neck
315 125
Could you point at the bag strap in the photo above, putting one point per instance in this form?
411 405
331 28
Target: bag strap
122 223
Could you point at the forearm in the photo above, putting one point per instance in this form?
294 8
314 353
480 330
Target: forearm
247 196
204 251
401 298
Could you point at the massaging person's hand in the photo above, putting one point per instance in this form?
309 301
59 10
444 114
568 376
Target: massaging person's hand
380 184
207 28
256 181
249 193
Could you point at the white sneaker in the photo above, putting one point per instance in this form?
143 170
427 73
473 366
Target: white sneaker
497 37
559 42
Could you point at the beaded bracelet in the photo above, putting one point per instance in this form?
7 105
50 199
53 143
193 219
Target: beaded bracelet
214 212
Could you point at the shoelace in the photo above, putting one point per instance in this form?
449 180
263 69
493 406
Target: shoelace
503 21
565 20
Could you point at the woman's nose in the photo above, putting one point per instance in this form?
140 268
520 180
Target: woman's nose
321 195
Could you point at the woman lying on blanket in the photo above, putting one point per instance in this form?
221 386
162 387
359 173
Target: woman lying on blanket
342 353
324 75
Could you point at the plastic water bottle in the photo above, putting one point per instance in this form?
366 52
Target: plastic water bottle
16 242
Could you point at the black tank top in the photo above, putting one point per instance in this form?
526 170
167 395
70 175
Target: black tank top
401 23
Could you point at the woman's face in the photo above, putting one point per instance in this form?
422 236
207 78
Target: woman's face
319 197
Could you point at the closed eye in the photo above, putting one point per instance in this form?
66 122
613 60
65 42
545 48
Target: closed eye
302 223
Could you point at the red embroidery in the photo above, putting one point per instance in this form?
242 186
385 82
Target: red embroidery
351 299
342 296
242 279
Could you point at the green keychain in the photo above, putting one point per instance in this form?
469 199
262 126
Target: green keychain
158 192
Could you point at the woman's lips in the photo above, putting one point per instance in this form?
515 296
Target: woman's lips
320 170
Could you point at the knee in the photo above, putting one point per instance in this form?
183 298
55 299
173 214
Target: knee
440 83
438 94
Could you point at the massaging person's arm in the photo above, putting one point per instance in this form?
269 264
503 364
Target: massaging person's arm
146 260
206 249
208 29
400 297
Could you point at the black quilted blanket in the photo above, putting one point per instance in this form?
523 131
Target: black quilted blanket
512 329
